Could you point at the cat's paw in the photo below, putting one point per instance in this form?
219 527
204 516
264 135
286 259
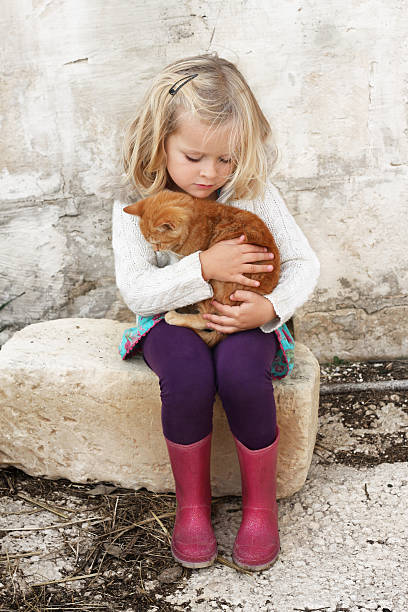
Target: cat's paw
171 317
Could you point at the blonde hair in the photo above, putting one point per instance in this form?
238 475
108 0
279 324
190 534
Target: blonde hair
217 95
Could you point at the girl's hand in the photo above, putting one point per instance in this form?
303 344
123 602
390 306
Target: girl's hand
255 310
229 259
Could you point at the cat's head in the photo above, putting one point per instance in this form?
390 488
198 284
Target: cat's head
164 219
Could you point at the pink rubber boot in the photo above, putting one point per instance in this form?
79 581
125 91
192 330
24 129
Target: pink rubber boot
257 544
193 542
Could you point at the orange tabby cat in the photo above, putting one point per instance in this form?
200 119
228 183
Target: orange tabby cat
178 222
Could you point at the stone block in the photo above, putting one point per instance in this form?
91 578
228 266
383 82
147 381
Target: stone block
71 408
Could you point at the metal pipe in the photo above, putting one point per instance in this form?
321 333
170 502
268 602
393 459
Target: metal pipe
352 387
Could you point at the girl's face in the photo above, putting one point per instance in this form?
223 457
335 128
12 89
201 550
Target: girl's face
198 158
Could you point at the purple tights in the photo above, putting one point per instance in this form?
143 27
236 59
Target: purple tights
190 373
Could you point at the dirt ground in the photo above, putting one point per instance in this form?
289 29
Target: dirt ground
373 418
66 546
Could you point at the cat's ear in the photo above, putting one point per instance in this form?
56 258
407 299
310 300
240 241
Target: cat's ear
135 209
165 227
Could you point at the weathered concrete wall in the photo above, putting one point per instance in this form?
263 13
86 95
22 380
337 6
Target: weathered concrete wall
331 77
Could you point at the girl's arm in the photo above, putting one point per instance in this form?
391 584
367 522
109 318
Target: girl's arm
146 288
300 267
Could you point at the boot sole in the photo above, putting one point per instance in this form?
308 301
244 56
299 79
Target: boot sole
255 568
195 564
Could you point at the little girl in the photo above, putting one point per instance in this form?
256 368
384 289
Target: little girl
200 130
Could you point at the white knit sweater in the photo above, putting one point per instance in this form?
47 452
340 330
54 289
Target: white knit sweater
155 282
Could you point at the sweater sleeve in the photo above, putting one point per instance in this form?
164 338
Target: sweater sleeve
146 288
300 267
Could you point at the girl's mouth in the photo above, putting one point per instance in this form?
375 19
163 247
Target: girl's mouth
204 186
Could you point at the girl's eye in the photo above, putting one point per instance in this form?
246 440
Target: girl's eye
194 159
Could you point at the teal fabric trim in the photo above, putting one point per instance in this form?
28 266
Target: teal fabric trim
285 357
132 335
281 366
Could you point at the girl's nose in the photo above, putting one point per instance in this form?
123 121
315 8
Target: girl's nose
208 168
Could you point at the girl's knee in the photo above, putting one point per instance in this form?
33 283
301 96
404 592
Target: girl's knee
188 375
244 375
188 387
187 406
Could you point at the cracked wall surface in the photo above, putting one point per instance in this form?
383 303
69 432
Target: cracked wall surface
332 80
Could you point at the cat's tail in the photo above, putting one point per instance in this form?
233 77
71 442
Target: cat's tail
211 338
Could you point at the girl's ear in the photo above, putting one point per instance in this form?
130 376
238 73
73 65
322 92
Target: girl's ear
135 209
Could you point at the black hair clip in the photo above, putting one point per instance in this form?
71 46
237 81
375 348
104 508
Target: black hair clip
173 90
